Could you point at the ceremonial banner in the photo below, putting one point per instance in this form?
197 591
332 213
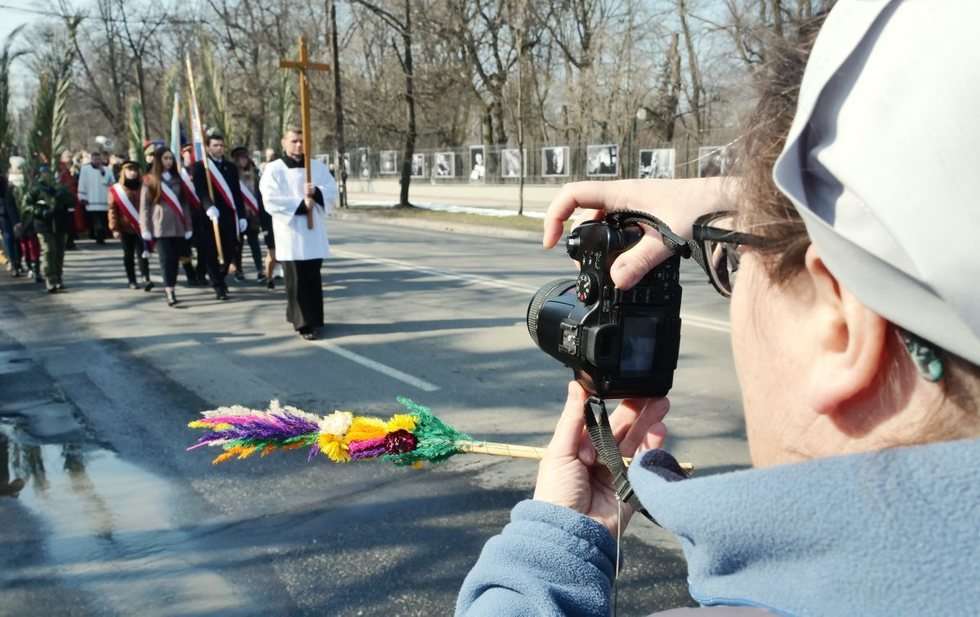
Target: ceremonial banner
249 198
197 131
175 128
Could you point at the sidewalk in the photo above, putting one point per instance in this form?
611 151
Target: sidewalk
492 199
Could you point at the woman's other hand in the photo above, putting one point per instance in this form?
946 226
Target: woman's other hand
570 475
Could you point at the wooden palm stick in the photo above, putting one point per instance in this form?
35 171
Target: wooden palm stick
516 451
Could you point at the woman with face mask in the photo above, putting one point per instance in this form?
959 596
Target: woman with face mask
855 328
125 226
165 217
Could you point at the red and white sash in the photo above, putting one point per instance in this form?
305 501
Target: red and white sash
219 182
189 187
126 207
167 196
249 198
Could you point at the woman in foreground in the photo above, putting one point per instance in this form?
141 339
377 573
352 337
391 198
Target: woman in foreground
856 336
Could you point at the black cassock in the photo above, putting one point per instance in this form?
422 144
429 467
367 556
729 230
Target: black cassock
304 294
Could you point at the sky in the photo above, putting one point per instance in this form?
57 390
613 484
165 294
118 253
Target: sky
10 18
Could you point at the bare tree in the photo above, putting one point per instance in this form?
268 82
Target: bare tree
402 27
139 27
338 104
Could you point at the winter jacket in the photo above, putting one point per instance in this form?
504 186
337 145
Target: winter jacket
159 218
117 220
9 213
894 532
45 206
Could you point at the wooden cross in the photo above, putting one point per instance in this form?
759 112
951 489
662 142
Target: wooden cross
303 65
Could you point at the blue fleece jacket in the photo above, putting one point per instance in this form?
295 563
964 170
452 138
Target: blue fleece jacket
895 532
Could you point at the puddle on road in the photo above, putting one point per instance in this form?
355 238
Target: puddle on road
108 528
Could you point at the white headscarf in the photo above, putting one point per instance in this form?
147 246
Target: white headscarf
882 161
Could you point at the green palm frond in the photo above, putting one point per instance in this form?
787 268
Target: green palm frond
7 57
136 132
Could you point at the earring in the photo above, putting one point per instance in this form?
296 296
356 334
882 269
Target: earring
924 355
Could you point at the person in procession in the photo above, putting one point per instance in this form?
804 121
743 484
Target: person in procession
165 218
68 177
248 175
855 331
288 198
9 220
94 180
269 237
196 272
124 223
45 210
28 247
227 208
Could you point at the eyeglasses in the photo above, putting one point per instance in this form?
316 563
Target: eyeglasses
715 244
716 248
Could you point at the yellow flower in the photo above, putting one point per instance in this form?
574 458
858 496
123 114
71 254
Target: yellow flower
333 447
401 422
364 428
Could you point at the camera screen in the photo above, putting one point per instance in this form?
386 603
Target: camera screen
639 342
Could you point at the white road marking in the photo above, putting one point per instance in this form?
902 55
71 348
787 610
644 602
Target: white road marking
374 365
697 321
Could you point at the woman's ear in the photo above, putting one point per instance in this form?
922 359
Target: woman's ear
851 342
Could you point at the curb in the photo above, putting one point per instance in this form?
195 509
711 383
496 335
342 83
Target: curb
486 231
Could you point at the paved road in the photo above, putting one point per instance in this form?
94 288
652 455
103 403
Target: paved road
97 384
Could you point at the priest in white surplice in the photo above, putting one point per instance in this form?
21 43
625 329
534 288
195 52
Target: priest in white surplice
287 197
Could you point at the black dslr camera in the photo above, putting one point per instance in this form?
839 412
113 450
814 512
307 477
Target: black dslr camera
620 344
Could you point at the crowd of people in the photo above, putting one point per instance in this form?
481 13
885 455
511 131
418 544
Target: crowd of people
195 215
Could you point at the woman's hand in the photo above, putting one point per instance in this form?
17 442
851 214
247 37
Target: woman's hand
570 475
676 202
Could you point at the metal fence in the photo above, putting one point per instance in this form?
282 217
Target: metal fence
548 164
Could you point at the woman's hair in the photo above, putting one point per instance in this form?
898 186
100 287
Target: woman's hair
155 177
765 211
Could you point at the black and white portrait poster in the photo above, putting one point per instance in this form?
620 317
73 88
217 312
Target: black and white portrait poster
711 161
443 165
364 163
554 161
658 163
478 163
510 163
602 160
389 163
418 165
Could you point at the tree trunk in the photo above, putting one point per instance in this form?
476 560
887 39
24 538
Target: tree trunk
520 106
497 111
487 126
777 17
141 82
411 134
692 62
338 106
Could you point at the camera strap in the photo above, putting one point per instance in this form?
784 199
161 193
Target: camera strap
604 442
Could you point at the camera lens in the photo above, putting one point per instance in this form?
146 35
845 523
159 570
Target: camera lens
550 290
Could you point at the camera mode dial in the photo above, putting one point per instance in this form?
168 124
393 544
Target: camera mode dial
586 288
